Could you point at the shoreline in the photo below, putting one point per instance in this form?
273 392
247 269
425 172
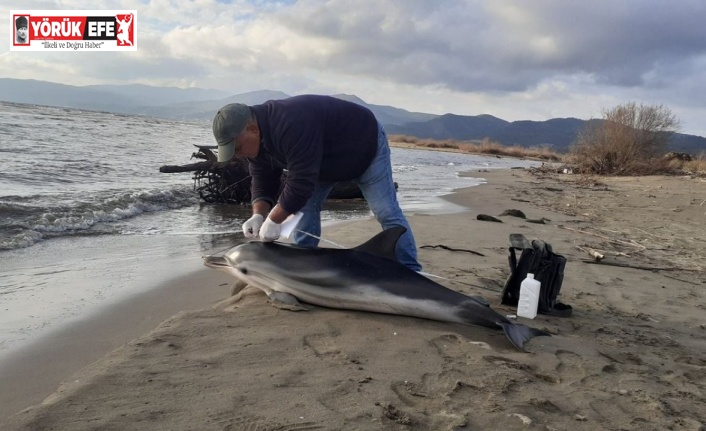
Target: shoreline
627 358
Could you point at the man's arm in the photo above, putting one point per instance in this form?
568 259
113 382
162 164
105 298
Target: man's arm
277 215
262 207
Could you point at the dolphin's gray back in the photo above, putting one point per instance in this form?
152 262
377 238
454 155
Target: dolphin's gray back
353 279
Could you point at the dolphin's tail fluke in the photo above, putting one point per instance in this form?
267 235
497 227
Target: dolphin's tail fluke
519 334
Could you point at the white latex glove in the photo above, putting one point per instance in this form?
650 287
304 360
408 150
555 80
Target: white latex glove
270 230
251 228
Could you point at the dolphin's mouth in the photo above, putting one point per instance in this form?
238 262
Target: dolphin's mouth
215 261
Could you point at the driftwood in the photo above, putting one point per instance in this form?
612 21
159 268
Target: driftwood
229 182
513 213
192 167
486 217
630 243
446 247
646 268
593 253
681 279
205 153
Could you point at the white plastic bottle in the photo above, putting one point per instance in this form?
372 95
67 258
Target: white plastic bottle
529 297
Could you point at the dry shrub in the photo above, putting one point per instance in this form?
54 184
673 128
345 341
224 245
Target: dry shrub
486 146
404 139
495 148
443 144
545 153
696 165
630 140
490 147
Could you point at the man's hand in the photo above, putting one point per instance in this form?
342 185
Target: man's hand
251 228
270 230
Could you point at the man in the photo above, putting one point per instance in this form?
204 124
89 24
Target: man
320 140
21 30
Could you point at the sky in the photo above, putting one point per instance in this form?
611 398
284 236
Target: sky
514 59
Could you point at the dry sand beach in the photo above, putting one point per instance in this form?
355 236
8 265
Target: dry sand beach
632 357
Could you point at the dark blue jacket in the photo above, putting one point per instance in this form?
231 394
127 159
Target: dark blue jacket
316 138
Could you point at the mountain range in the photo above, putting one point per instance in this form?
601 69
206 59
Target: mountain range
198 104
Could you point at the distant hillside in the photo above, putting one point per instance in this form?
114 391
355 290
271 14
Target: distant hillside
200 105
126 99
389 114
688 143
451 126
146 95
557 133
47 93
163 102
204 110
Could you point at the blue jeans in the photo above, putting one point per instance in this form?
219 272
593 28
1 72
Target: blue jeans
379 192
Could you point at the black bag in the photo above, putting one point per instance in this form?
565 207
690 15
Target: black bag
548 267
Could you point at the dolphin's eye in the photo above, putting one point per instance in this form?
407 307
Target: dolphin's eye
243 270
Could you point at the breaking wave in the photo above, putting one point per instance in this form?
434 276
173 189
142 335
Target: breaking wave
25 220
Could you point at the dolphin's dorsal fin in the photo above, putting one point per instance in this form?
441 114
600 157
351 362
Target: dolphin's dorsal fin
383 244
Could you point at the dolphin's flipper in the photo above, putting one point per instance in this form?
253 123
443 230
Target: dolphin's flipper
285 301
519 334
237 287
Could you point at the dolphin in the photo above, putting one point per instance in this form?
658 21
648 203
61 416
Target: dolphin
367 278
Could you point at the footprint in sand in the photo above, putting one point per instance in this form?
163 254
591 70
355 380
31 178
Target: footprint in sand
344 399
326 345
691 360
451 346
409 393
618 412
232 421
446 398
575 368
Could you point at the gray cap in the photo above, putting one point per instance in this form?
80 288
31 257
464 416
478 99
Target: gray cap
229 121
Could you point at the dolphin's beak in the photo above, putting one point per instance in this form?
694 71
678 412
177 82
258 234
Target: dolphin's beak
217 262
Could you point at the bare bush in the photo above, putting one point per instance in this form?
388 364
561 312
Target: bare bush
486 146
697 165
630 140
404 138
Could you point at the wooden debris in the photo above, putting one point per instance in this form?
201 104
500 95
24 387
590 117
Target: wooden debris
229 182
593 253
646 268
486 217
630 243
446 247
513 213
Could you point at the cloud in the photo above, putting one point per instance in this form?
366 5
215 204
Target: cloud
512 57
496 46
